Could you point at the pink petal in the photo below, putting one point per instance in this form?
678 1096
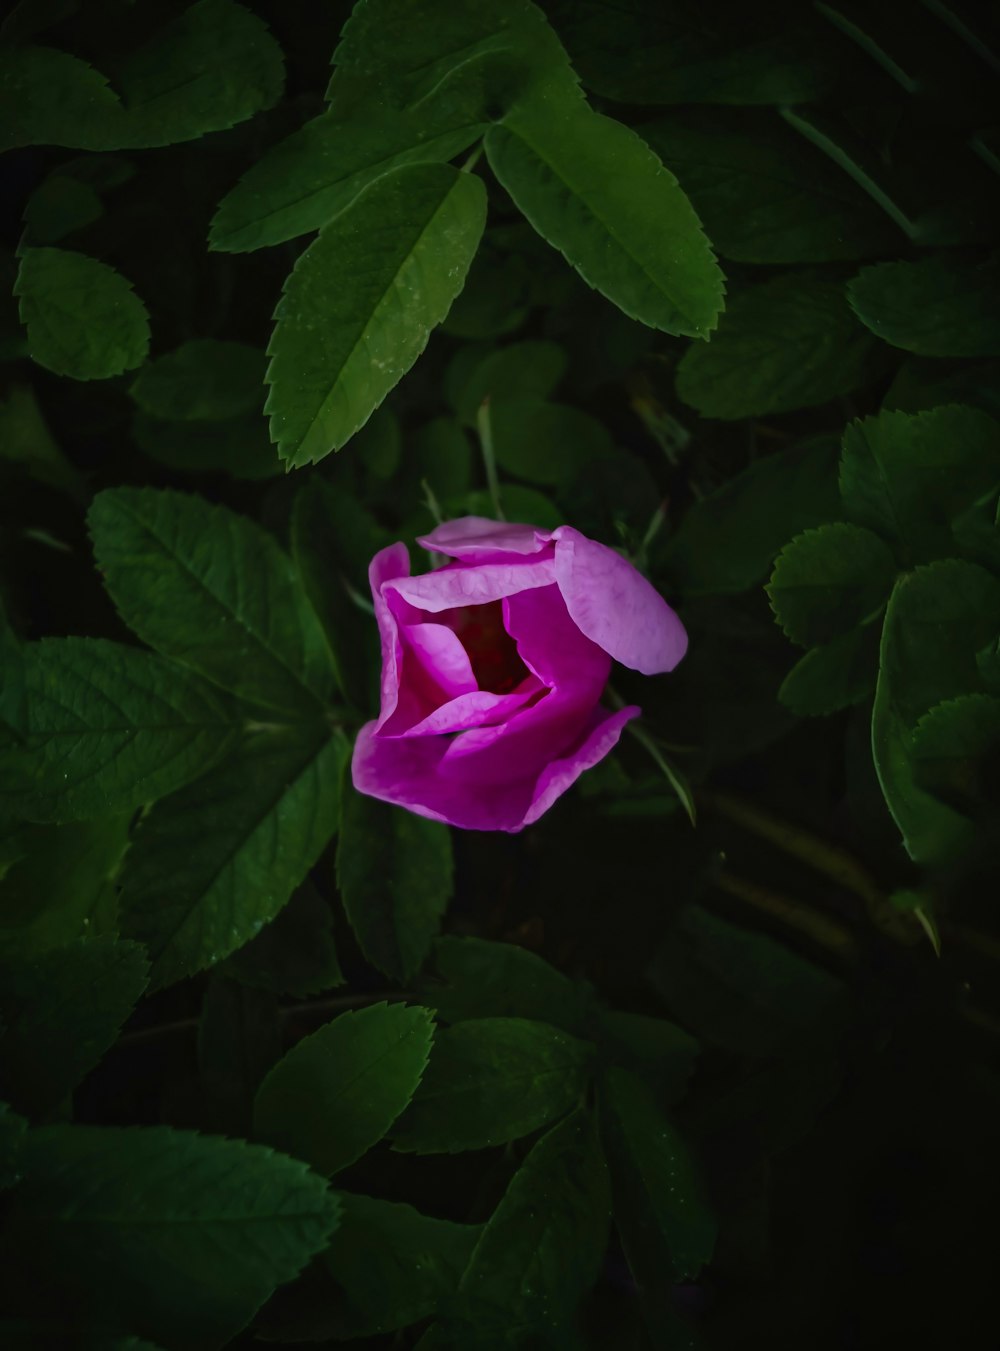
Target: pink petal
459 584
441 654
475 537
614 605
477 709
594 745
388 564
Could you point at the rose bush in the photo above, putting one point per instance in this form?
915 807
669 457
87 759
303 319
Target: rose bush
493 668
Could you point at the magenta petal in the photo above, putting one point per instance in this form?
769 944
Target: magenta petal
441 654
593 746
387 565
476 538
460 584
479 708
615 606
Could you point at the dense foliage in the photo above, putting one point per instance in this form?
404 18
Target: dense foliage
706 1056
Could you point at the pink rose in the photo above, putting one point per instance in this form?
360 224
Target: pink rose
493 668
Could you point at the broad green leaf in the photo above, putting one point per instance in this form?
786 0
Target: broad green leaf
394 1266
203 380
490 1080
211 865
338 1092
521 370
546 443
922 383
62 1010
787 343
418 55
108 728
828 580
660 1201
61 885
239 1039
240 446
25 440
936 307
520 503
728 540
742 990
663 1053
673 51
908 476
763 195
122 1224
214 591
83 318
938 618
498 293
542 1247
394 871
58 207
598 194
955 751
472 978
293 955
308 179
329 532
360 304
378 446
442 454
976 531
12 1128
212 66
834 676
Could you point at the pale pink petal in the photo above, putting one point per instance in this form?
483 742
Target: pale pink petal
478 709
474 537
594 745
615 606
459 584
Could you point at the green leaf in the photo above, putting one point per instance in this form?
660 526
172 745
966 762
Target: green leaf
202 380
787 343
435 58
763 195
729 539
394 1265
542 1247
938 618
82 317
977 531
663 1053
240 446
210 67
938 307
828 580
394 871
293 955
472 978
308 179
211 865
660 1203
638 52
922 383
491 1080
955 751
338 1092
58 207
521 370
360 304
598 194
63 1009
122 1224
60 884
12 1128
742 990
908 476
239 1039
25 441
546 443
108 728
214 591
442 455
330 531
834 676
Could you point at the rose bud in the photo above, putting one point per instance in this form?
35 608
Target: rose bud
493 668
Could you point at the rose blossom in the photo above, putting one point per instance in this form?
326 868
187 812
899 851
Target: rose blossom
493 668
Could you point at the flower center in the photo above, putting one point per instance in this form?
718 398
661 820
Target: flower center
493 655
